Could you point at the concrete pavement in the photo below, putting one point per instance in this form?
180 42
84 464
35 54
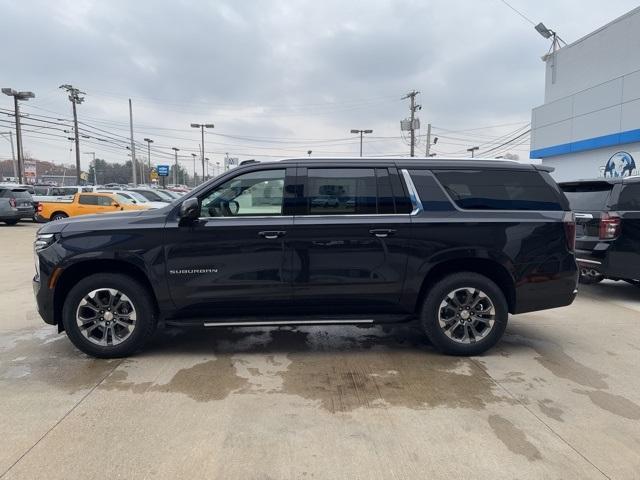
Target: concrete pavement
558 398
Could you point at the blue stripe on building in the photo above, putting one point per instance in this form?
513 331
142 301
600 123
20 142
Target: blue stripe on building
630 136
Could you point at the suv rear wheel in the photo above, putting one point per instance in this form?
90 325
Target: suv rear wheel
108 315
464 314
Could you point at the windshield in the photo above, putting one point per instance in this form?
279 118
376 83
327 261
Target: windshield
588 197
164 195
123 199
137 197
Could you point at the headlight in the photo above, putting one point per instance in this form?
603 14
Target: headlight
43 240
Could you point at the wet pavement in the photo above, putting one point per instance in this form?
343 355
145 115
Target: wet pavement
559 397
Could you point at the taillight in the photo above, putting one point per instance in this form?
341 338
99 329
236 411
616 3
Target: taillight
39 207
569 221
12 202
609 225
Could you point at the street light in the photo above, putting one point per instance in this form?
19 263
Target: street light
207 162
149 142
17 96
175 170
194 168
361 132
309 152
472 150
202 126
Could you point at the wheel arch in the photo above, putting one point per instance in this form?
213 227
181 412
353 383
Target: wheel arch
70 276
491 269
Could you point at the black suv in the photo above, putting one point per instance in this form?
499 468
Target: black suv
608 227
453 244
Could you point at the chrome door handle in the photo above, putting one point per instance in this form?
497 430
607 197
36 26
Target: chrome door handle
382 232
272 234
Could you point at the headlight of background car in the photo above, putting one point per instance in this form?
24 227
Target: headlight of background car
42 241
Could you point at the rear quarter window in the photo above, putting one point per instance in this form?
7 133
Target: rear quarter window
629 198
493 189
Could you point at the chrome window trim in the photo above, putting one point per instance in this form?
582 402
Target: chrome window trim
413 193
285 217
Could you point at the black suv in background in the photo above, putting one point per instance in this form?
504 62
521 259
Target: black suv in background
453 244
608 227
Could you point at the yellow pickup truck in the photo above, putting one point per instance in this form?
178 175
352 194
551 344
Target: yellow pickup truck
84 204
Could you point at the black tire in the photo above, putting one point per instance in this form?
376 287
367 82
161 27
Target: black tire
58 216
438 293
10 222
141 300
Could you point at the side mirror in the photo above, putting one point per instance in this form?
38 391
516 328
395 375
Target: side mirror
190 209
116 204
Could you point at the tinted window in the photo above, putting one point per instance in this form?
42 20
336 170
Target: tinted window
588 196
431 195
629 197
7 193
253 193
386 202
88 200
335 191
41 190
499 189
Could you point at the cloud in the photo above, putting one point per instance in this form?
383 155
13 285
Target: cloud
282 68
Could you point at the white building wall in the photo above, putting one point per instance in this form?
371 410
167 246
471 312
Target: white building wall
592 106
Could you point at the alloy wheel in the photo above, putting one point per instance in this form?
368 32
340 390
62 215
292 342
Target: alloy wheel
106 317
466 315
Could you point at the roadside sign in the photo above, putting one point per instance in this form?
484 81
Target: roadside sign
163 170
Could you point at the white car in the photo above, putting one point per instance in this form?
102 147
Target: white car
136 198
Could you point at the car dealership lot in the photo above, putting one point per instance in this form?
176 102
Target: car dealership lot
559 397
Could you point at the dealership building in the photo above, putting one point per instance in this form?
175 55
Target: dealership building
589 124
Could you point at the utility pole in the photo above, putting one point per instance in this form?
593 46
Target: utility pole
16 97
133 145
149 142
175 169
75 98
13 153
361 132
473 150
428 149
412 126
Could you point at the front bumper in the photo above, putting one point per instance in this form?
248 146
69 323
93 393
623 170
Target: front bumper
44 300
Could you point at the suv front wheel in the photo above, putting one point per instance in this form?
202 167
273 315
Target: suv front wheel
108 315
464 314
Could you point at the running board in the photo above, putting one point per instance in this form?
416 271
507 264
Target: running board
253 321
286 322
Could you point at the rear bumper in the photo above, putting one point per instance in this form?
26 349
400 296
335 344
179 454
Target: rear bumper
16 214
551 285
611 261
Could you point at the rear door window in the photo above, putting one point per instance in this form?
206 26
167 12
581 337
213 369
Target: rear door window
342 191
88 200
493 189
588 197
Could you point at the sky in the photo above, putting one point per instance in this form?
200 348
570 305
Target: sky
278 78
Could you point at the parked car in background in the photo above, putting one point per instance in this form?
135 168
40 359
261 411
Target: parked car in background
455 245
84 204
16 204
607 227
172 194
153 194
135 198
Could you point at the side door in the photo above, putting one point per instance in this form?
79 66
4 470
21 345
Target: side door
88 204
624 252
235 260
349 240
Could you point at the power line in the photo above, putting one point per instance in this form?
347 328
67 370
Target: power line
518 12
